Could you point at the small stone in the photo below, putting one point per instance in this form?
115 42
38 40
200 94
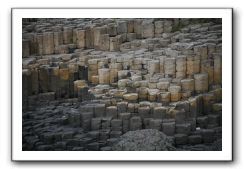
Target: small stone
131 96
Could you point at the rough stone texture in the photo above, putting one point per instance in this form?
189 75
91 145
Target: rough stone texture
143 140
168 128
131 97
135 123
147 29
111 111
159 112
181 139
87 81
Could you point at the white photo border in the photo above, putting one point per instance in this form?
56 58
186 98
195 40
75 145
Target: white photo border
227 137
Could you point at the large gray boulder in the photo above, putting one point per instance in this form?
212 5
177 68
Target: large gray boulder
144 140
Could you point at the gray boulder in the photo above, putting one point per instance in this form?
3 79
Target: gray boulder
144 140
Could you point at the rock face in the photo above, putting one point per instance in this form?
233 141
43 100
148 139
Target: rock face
87 81
144 140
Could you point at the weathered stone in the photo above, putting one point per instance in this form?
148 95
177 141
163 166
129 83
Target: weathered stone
193 65
112 29
181 139
115 134
68 35
164 97
99 110
195 139
43 78
156 124
135 123
103 76
143 93
202 51
144 112
75 118
175 94
188 85
152 94
25 48
116 125
111 111
159 27
87 81
184 128
208 100
163 85
214 120
130 26
143 140
104 135
130 37
95 123
122 107
89 37
217 69
202 122
132 107
104 42
80 84
114 44
123 83
179 115
217 107
86 120
121 27
48 46
207 135
167 26
138 28
159 112
131 97
98 32
58 38
147 29
81 38
201 82
169 67
168 127
106 123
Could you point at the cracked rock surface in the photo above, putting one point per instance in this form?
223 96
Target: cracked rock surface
144 140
